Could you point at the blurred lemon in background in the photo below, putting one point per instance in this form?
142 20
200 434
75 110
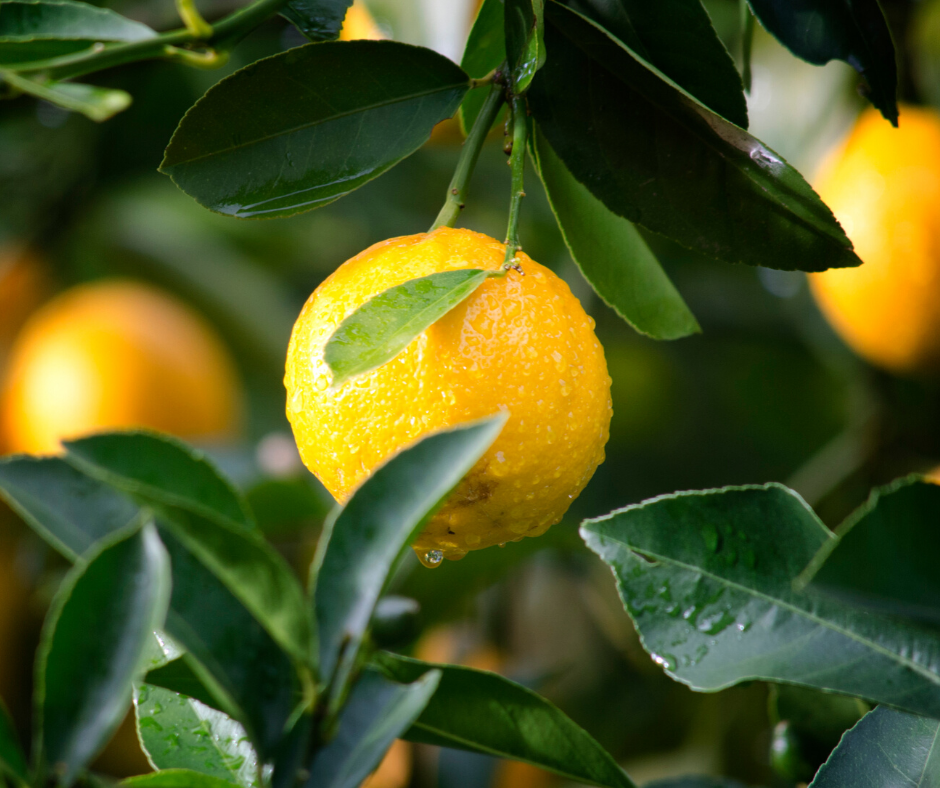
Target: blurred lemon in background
113 355
24 284
359 24
883 184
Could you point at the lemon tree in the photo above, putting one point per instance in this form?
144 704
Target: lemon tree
450 392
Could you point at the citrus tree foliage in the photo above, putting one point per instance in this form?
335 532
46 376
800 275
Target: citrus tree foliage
202 625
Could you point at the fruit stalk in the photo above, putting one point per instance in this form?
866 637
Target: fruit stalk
520 129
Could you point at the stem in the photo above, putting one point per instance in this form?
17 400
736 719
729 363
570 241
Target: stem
457 190
747 38
193 20
520 129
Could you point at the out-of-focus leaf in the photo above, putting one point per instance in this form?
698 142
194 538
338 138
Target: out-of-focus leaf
65 507
161 469
612 254
12 759
660 159
318 20
483 712
363 539
708 579
820 30
176 778
93 647
525 40
286 506
887 748
387 323
93 102
485 51
695 782
179 677
677 37
376 713
302 128
885 554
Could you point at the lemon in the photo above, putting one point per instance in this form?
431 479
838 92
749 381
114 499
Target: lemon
359 24
520 343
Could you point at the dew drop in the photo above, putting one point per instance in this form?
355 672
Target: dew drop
297 401
667 661
710 535
432 558
321 383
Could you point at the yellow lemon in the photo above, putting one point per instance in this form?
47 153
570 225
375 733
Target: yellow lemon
116 354
520 343
883 184
359 24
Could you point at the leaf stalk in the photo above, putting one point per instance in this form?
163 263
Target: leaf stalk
520 130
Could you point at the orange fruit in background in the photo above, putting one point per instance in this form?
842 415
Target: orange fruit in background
883 184
113 355
359 24
24 284
521 343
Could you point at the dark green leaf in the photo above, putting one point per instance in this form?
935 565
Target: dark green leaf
12 759
287 506
708 579
655 156
387 323
612 254
362 540
885 554
93 647
161 469
300 129
695 782
821 715
677 37
66 508
178 732
376 713
318 20
485 51
483 712
525 40
855 31
179 676
95 103
887 748
175 778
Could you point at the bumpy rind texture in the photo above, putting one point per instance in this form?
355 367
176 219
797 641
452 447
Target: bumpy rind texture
519 343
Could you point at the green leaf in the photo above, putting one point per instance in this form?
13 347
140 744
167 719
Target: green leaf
485 51
677 37
387 323
287 506
12 759
819 31
885 554
695 782
179 732
612 254
175 778
318 20
362 540
300 129
160 469
483 712
525 40
93 647
660 159
887 748
66 508
179 677
95 103
708 579
376 713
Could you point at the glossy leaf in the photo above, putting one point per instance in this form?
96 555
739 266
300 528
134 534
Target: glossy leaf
161 469
483 712
302 128
387 323
362 541
93 102
178 732
708 579
887 748
12 759
525 40
65 507
856 31
485 51
612 254
318 20
93 647
175 778
376 713
179 677
885 554
660 159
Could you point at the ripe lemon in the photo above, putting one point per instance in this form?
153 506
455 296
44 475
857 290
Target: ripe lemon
24 282
519 343
359 24
116 354
883 185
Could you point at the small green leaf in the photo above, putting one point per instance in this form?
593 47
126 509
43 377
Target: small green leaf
362 540
612 254
12 759
819 31
94 645
887 748
483 712
65 507
318 20
179 677
485 51
176 778
376 713
302 128
387 323
525 40
93 102
160 469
